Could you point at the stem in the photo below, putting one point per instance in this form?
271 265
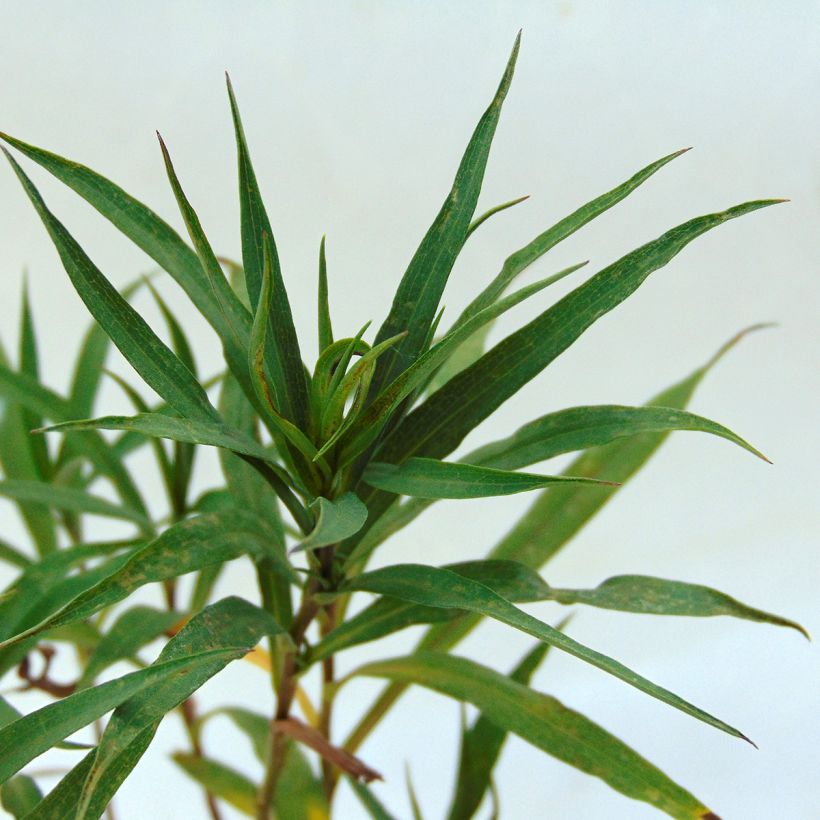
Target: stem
328 693
189 716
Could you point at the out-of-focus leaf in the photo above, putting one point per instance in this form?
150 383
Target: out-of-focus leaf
324 324
578 428
20 795
185 547
658 596
12 555
68 498
371 805
546 723
430 586
417 299
335 521
231 627
299 792
430 478
285 360
131 631
255 726
415 807
149 356
220 780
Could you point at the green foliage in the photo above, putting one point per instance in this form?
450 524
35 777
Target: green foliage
320 466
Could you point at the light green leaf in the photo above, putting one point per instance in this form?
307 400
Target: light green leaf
546 723
371 805
285 360
255 726
479 221
131 631
417 299
430 586
335 521
12 555
68 498
220 780
430 478
185 547
657 596
578 428
149 356
20 795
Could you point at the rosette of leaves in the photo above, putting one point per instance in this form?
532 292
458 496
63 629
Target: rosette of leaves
321 465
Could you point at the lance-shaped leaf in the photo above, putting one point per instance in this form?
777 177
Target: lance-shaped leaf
14 556
547 724
285 362
657 596
230 626
149 356
370 803
185 547
131 631
335 521
220 780
417 299
579 428
222 309
68 498
431 478
20 795
496 209
379 412
35 733
324 323
440 587
481 746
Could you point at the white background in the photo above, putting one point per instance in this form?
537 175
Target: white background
357 114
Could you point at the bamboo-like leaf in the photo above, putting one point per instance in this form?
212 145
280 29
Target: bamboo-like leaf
220 780
231 626
335 521
417 299
68 498
12 555
481 746
324 323
547 724
371 422
185 547
657 596
289 384
149 356
430 478
578 428
479 221
131 631
370 803
430 586
299 792
255 726
20 795
157 239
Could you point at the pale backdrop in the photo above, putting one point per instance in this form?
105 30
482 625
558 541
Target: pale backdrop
357 113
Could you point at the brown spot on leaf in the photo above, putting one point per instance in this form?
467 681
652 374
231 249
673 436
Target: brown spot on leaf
710 815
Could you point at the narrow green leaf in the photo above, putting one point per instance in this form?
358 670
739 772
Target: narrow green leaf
371 805
519 261
67 498
299 792
658 596
578 428
185 547
415 807
430 478
179 341
547 724
289 384
335 521
231 627
131 631
255 726
154 236
440 587
478 222
220 780
481 746
12 555
149 356
20 795
35 733
417 299
324 324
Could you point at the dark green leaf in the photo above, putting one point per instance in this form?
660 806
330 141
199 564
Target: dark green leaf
20 795
579 428
546 723
149 356
324 324
12 555
335 521
479 221
430 586
417 299
430 478
285 361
